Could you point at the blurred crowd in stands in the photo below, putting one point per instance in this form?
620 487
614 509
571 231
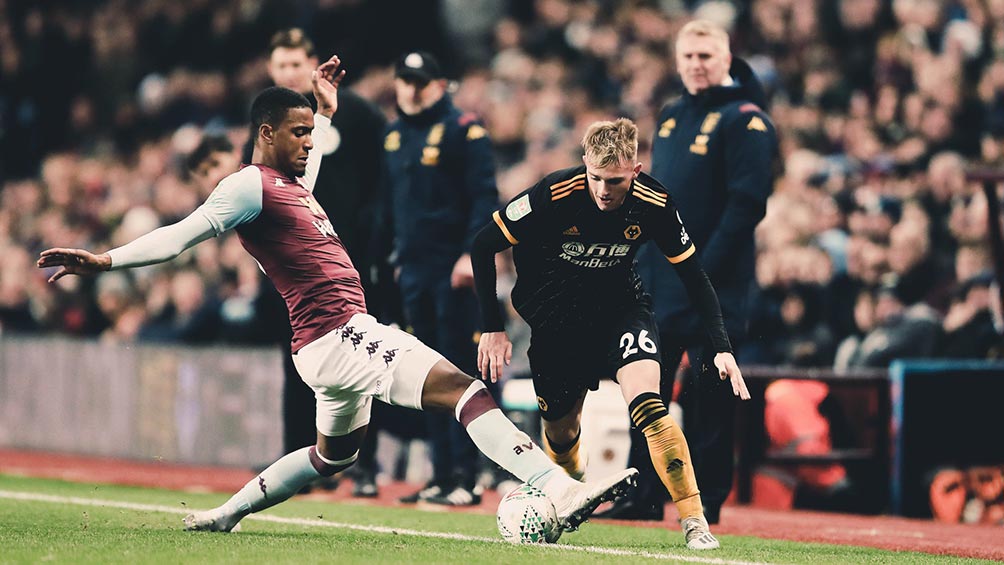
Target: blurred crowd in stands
874 247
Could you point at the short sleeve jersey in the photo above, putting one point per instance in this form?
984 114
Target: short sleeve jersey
574 262
281 225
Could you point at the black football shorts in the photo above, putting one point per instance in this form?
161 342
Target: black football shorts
569 361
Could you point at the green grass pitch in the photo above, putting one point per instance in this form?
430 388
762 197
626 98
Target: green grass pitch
45 521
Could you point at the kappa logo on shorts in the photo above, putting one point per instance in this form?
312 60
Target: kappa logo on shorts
388 356
347 331
357 338
373 347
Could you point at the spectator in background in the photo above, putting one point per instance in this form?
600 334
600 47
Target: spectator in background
190 315
441 178
968 326
714 152
899 332
212 159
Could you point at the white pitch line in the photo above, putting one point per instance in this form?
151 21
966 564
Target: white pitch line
39 497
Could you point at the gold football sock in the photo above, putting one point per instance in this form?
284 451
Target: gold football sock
669 451
566 455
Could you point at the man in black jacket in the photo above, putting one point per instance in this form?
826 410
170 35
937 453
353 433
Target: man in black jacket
440 174
713 151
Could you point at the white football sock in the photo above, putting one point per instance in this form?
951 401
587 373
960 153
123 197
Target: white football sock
503 443
281 480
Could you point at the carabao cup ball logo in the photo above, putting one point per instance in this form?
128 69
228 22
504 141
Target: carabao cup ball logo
573 248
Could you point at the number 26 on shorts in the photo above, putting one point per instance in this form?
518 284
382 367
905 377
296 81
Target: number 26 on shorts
628 343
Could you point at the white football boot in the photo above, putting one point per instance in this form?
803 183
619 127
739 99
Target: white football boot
698 534
576 504
215 520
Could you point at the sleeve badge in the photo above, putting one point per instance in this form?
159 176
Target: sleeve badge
756 124
518 208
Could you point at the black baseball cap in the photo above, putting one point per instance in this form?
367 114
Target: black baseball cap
419 66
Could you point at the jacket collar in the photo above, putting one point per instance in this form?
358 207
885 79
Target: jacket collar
430 115
746 87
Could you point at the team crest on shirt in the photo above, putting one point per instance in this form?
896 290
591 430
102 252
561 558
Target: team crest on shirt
667 127
393 141
711 122
518 208
632 232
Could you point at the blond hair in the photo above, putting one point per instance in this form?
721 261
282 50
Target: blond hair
706 28
611 143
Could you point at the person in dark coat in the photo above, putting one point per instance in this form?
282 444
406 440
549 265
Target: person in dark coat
440 189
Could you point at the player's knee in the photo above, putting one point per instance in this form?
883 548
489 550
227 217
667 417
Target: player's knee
445 387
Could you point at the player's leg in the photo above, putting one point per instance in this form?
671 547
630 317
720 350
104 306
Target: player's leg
284 478
639 376
331 367
647 501
561 437
447 388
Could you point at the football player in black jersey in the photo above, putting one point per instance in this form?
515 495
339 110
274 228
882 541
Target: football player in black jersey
575 234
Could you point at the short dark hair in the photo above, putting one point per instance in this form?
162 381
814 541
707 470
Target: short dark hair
272 104
292 38
211 143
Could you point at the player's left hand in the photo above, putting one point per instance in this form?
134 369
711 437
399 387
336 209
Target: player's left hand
728 369
494 350
463 273
325 80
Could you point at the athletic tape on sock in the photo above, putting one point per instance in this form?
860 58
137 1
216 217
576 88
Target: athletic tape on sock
327 467
474 402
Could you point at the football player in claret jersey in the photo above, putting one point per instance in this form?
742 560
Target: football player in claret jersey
341 352
574 237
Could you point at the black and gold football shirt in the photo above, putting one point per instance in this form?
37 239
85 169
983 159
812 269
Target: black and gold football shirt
574 262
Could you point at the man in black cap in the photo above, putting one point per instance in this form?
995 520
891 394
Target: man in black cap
441 190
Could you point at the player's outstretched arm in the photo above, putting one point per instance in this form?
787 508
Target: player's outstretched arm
158 246
73 262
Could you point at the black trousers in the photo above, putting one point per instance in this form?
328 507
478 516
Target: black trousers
708 421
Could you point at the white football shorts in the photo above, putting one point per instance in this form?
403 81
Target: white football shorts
354 363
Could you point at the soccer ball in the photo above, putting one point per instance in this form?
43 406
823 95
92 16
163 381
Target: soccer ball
526 515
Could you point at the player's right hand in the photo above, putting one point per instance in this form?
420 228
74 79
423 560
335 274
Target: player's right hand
325 79
494 349
73 262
